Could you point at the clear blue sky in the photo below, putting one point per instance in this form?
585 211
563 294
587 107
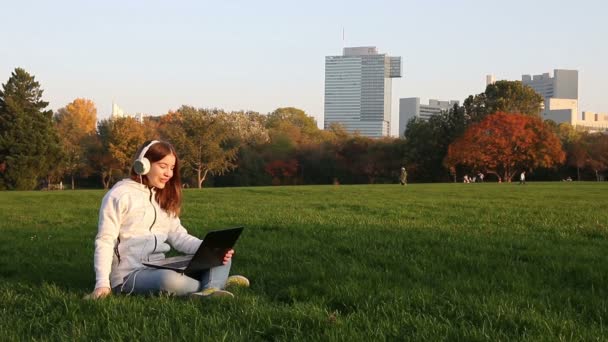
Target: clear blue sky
153 56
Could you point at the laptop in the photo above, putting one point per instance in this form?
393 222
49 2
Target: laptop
210 253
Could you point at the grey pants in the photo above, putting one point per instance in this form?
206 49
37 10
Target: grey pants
154 281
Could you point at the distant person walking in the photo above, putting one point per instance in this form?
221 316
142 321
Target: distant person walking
403 176
522 177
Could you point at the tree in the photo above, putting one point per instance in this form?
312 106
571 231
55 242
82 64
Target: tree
513 97
505 97
247 127
119 140
281 170
475 107
75 124
295 121
575 145
427 143
423 154
381 160
29 147
203 139
293 115
503 144
150 126
350 157
598 154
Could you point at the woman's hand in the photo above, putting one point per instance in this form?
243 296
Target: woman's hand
98 293
228 256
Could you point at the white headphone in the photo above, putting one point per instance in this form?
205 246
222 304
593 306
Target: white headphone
141 165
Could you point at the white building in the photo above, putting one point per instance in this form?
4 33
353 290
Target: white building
358 90
560 110
592 121
560 94
490 79
563 84
410 107
117 112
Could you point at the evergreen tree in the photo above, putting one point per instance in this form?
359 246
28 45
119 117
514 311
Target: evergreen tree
29 146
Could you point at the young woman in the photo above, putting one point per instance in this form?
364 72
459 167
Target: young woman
138 220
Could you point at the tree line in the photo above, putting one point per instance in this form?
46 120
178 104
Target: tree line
497 132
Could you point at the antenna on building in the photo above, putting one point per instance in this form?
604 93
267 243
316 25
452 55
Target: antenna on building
343 44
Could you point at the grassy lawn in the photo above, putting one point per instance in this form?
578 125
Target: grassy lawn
373 262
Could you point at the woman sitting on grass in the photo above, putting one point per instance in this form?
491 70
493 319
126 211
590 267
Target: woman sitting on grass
138 219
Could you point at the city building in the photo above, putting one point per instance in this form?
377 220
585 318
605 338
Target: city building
410 107
563 84
358 90
560 110
560 94
593 122
490 79
117 112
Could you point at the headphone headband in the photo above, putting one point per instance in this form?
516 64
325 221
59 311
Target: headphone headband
145 149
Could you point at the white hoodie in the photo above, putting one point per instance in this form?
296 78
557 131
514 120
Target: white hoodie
133 229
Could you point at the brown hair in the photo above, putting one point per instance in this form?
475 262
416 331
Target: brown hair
169 198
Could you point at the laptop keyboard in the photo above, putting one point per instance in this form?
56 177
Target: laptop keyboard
178 264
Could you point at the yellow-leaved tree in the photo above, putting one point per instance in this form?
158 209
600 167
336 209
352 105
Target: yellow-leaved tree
119 139
75 124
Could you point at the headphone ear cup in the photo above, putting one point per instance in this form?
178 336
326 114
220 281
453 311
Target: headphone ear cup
141 166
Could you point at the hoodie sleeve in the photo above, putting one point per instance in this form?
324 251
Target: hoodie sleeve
110 217
179 238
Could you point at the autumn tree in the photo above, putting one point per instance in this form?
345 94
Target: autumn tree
293 115
29 146
203 139
119 139
598 154
281 151
296 122
280 170
150 126
575 146
380 161
503 144
321 162
577 155
75 124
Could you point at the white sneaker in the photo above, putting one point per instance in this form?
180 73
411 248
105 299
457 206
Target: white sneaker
212 292
237 281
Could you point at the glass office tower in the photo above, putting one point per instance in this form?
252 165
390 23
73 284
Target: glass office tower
358 90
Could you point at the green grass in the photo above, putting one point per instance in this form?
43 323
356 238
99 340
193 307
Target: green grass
422 262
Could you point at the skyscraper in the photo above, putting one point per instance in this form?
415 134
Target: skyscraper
358 90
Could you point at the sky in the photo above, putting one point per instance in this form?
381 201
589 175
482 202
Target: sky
154 56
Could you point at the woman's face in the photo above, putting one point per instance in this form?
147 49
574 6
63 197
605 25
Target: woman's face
161 171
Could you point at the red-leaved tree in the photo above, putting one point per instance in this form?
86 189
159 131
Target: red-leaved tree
281 170
503 144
